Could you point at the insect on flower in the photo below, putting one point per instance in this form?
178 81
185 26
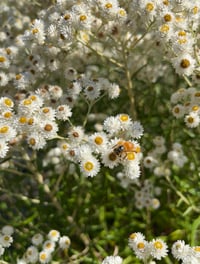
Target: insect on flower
125 148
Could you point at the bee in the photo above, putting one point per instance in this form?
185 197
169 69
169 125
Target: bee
123 148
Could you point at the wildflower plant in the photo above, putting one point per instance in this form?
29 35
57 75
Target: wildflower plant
99 131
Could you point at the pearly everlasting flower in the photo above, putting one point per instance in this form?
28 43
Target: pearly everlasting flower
7 230
76 134
3 148
89 166
37 239
134 237
98 141
31 254
180 250
158 248
64 242
192 120
44 256
184 64
63 112
49 246
112 125
53 235
112 260
2 250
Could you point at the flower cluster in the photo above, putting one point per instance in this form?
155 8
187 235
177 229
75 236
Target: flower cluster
33 116
42 250
6 238
174 23
186 105
186 253
115 144
154 159
145 197
155 249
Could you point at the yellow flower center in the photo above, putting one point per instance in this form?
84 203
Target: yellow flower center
33 97
54 233
32 141
27 102
43 256
124 118
112 156
182 41
176 110
6 238
88 166
82 18
35 31
195 108
166 2
122 12
45 110
8 51
130 156
8 102
108 5
4 129
48 127
67 17
164 28
64 146
141 245
18 77
133 236
167 17
149 7
195 10
185 63
182 33
98 140
7 114
190 120
158 245
197 248
30 121
197 94
22 119
2 59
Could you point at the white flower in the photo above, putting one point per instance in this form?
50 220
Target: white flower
7 230
113 91
31 254
184 64
192 120
64 242
112 260
37 239
3 79
2 250
44 256
90 166
112 125
178 111
49 246
53 235
134 237
6 240
98 141
63 112
3 148
158 248
180 250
